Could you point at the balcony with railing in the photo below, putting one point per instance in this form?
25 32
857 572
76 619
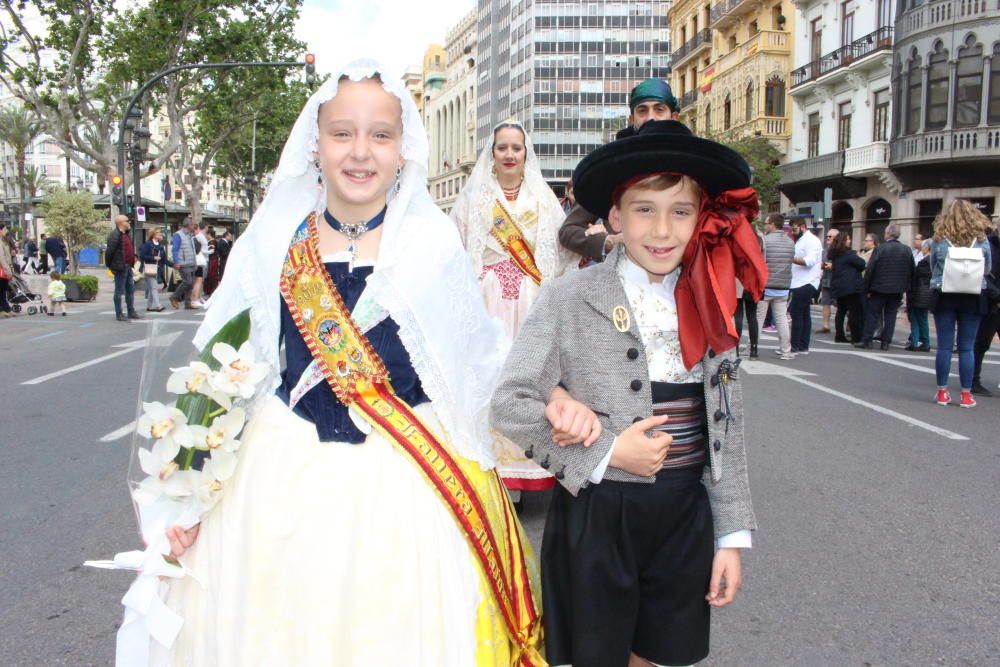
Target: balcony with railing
702 38
689 98
866 160
979 143
726 10
765 41
845 57
941 14
819 168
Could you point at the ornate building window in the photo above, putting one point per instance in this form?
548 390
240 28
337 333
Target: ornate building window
774 96
727 113
994 111
914 94
748 115
881 124
937 88
813 147
969 97
844 126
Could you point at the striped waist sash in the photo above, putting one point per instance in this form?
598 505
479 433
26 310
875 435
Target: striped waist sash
685 405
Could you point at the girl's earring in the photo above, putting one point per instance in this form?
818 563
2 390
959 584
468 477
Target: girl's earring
397 185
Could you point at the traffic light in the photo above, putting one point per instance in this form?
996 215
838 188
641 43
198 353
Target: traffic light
310 68
129 204
116 190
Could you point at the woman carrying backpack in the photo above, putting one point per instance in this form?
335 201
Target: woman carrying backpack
958 276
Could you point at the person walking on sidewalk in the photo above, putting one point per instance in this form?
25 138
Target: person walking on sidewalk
778 253
154 256
826 297
807 267
961 225
120 258
889 274
6 271
55 248
184 258
919 300
989 326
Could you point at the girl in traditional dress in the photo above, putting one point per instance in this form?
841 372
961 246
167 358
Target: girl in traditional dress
509 220
364 524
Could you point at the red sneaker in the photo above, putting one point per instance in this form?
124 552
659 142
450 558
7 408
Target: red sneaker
942 397
967 400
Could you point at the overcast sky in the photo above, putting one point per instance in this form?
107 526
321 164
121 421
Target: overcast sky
395 32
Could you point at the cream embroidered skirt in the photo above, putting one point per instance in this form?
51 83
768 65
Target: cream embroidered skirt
331 554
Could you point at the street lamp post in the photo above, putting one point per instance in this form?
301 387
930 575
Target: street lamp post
250 180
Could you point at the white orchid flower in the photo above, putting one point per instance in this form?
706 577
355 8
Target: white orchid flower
161 421
177 486
240 370
159 461
218 469
221 435
197 378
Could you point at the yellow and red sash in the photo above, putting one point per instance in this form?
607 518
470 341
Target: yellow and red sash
360 380
511 239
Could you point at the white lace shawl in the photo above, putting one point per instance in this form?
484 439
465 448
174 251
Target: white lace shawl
422 276
473 213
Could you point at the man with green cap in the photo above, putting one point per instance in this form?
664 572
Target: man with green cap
582 232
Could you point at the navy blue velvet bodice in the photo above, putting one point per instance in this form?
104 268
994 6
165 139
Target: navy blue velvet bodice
320 405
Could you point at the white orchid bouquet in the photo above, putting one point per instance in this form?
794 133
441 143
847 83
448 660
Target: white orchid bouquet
195 441
203 426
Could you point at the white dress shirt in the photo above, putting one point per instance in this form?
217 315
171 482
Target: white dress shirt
809 248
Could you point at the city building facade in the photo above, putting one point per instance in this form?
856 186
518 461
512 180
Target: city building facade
564 68
451 115
892 121
731 66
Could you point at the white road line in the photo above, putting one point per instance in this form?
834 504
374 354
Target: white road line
86 364
119 433
951 435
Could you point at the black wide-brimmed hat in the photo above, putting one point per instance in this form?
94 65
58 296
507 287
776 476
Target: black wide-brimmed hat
657 146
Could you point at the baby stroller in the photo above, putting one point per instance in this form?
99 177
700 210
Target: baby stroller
21 298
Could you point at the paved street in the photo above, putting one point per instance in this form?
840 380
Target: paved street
877 509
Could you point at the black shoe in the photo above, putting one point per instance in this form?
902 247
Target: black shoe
122 318
980 390
884 346
134 316
840 339
863 345
910 347
924 348
753 352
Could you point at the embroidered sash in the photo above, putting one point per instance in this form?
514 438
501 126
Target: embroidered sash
511 239
360 380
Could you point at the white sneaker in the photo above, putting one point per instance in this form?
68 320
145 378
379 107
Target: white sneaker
786 356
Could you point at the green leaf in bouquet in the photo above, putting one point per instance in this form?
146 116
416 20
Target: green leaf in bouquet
199 408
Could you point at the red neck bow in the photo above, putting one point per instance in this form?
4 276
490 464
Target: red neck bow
724 248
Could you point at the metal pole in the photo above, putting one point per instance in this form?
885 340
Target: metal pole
137 197
149 84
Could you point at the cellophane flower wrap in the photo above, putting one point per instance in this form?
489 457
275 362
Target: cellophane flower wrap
191 417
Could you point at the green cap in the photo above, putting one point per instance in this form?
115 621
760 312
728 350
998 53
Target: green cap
653 89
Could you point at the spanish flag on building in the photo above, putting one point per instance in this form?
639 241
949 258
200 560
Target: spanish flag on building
706 79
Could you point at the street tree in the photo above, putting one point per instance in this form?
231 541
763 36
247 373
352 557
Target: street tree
763 158
79 69
19 128
72 216
35 181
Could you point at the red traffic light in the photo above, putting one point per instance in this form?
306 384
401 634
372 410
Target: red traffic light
310 58
116 180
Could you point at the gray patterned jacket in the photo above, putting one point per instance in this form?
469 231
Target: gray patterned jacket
569 338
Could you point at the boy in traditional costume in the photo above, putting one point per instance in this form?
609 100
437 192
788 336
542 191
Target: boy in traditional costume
643 535
365 524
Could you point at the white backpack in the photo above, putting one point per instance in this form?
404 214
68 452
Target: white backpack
963 270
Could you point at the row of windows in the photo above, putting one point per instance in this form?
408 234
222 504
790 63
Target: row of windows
774 105
565 149
449 188
609 46
601 21
931 103
845 114
582 98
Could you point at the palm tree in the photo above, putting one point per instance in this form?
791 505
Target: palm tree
34 180
19 128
